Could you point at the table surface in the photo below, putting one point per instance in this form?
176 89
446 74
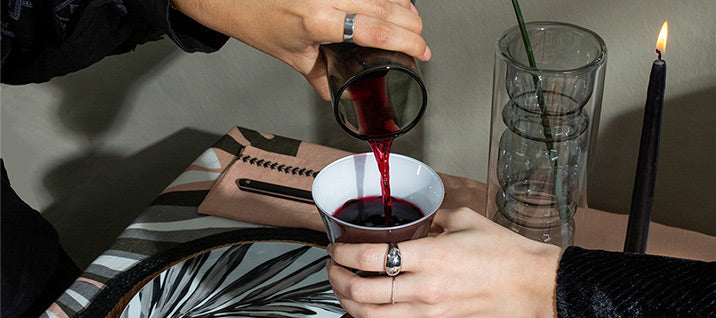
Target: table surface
207 260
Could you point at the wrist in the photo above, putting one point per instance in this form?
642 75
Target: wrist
546 282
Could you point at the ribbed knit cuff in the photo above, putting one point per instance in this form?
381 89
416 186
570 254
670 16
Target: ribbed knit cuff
594 283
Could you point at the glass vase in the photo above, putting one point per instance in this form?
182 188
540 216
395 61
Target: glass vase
544 122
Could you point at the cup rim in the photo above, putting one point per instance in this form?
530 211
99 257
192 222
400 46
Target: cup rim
369 228
373 69
597 61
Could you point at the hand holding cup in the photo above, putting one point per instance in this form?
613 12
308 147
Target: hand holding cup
471 268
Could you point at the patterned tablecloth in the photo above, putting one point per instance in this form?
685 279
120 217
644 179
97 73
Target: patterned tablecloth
172 261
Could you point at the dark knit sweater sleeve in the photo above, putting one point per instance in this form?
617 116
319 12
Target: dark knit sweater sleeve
42 39
594 283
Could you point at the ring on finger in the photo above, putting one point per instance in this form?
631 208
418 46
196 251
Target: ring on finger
392 291
348 26
393 260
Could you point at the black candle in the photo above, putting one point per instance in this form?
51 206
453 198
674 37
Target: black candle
643 193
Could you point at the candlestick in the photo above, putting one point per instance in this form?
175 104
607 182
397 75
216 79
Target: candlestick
645 181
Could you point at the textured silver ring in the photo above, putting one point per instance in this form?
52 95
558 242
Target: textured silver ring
392 291
392 260
348 27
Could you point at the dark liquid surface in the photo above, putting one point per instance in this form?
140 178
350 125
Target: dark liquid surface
368 211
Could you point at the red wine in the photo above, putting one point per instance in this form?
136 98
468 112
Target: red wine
381 150
376 121
376 118
368 211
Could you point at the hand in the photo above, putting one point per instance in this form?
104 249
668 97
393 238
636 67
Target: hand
474 267
292 30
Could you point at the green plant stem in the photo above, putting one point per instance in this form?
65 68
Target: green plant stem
547 130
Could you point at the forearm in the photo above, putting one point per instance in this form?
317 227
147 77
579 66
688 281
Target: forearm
594 283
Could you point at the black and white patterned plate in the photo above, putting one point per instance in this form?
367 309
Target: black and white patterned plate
262 279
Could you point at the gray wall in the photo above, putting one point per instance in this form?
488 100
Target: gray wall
91 149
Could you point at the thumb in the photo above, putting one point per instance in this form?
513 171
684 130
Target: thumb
318 78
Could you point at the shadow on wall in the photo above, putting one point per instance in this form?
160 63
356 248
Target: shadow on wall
109 191
684 195
97 193
94 98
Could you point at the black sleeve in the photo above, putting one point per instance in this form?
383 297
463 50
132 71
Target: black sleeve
42 39
593 283
35 268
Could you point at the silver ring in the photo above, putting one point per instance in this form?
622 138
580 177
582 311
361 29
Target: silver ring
348 27
392 292
392 260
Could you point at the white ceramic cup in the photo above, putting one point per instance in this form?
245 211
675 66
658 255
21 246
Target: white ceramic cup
357 176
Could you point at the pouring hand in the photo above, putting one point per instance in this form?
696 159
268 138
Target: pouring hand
292 30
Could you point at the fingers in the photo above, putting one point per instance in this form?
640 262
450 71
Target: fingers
408 287
372 32
414 295
394 12
371 257
325 23
404 3
358 310
416 255
390 25
369 290
413 8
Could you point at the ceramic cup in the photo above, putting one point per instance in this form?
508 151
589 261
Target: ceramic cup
357 176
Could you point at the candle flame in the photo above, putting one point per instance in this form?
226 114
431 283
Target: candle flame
661 42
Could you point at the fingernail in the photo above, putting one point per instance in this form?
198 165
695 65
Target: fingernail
427 54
